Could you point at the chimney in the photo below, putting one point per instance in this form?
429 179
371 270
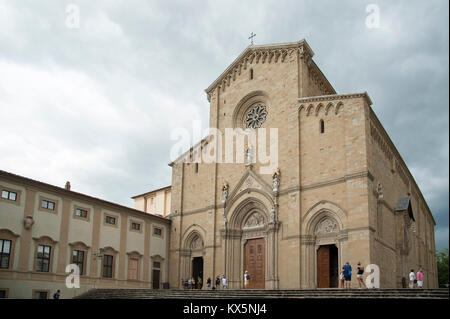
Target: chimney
68 185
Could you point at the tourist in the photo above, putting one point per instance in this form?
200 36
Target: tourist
186 284
347 268
359 276
57 294
208 283
200 282
341 279
182 283
412 279
420 278
246 279
192 283
217 282
224 282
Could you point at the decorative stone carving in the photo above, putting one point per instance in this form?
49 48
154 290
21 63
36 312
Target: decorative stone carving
224 192
276 180
249 182
255 220
28 222
256 116
197 243
326 226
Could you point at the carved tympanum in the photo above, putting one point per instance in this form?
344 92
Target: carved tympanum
255 220
197 243
326 226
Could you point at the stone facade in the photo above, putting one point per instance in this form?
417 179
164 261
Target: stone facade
341 179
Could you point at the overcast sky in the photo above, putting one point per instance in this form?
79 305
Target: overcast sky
95 105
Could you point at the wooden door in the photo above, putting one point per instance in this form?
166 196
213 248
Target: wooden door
133 269
254 251
155 278
323 267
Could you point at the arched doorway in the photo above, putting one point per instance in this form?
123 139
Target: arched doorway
324 245
193 257
250 244
326 231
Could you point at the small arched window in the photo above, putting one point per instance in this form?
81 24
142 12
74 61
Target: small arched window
322 126
251 74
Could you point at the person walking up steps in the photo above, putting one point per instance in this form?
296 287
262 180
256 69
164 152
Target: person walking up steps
341 279
412 279
246 279
224 282
359 276
347 268
420 278
217 282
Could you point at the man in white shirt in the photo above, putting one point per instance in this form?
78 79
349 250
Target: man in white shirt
412 278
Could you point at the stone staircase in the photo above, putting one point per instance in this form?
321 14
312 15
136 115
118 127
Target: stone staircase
398 294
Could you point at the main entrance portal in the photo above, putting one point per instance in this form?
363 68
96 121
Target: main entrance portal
327 267
255 262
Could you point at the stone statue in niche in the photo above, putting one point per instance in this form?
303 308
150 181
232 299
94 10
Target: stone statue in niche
248 156
272 214
224 222
326 226
255 220
28 222
224 192
276 180
380 190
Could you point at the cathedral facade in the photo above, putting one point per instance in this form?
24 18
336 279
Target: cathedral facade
340 191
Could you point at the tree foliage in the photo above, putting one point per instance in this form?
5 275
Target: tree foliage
442 265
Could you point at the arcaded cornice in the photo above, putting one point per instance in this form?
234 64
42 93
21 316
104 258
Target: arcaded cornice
336 97
263 53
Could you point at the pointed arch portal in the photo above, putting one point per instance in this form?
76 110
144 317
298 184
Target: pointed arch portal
250 244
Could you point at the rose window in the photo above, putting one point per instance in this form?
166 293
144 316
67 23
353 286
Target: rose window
256 116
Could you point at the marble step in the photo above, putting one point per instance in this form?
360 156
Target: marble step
252 294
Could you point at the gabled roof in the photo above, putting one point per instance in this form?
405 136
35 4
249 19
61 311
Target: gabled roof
279 49
152 191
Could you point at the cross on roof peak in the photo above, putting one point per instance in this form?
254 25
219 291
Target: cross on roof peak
252 35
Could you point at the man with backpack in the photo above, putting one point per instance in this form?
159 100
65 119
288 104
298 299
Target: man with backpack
347 268
57 294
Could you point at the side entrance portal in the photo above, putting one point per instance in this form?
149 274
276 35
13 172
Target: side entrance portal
255 262
327 267
197 269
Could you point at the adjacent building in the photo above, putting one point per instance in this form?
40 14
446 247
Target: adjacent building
156 202
44 228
